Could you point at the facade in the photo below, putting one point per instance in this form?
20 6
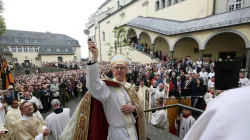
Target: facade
38 47
179 28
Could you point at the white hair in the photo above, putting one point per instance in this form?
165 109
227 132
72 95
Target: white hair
55 102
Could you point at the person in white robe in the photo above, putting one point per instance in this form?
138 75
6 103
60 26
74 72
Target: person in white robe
58 119
160 92
226 118
185 121
12 117
2 109
28 97
142 91
116 102
29 127
160 117
152 90
3 132
243 80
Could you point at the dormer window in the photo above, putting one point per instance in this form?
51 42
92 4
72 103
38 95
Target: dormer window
66 49
48 49
4 39
35 40
15 39
58 49
69 42
26 40
74 42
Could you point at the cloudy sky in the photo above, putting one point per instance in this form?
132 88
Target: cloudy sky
57 16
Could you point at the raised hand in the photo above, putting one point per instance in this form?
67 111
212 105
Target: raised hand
93 49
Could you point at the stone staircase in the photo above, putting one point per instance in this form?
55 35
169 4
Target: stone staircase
23 70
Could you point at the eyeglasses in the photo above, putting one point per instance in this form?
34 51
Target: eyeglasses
121 68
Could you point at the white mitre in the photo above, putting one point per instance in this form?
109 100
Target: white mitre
120 59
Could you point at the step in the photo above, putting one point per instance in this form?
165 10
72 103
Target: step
155 133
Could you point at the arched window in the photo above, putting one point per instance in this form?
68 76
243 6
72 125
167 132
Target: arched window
103 36
157 6
163 4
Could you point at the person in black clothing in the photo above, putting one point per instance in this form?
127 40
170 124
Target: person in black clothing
197 90
62 93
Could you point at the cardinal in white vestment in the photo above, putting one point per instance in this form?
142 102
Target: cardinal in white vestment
226 118
58 119
12 117
121 103
160 117
185 121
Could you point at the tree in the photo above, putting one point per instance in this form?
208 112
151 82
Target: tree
120 43
2 23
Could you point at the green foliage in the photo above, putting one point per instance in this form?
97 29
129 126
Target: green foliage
2 23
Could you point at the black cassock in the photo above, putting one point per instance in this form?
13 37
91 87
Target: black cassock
46 99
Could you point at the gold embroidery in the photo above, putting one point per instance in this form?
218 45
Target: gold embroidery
139 110
81 132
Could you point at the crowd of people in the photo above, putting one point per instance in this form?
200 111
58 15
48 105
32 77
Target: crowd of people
163 79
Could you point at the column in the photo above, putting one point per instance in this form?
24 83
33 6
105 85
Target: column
202 55
153 55
172 54
138 41
248 62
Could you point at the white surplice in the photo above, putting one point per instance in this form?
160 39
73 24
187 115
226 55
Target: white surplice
57 122
12 117
2 114
121 126
186 124
159 94
226 118
160 119
244 82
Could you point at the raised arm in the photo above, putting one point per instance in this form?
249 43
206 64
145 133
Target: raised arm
96 86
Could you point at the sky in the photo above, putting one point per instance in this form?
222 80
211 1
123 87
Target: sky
56 16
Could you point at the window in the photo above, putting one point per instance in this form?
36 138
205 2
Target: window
103 36
58 49
4 39
75 58
74 42
14 59
36 49
163 4
30 49
48 49
235 4
15 39
25 49
5 49
26 40
69 42
35 40
74 49
13 49
37 59
169 2
66 49
176 1
19 49
157 5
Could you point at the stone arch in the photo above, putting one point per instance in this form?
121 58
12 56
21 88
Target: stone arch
193 37
150 37
162 44
157 5
133 31
243 36
186 46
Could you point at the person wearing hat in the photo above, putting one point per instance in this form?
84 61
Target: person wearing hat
115 107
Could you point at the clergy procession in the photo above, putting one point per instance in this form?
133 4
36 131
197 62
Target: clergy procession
114 98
